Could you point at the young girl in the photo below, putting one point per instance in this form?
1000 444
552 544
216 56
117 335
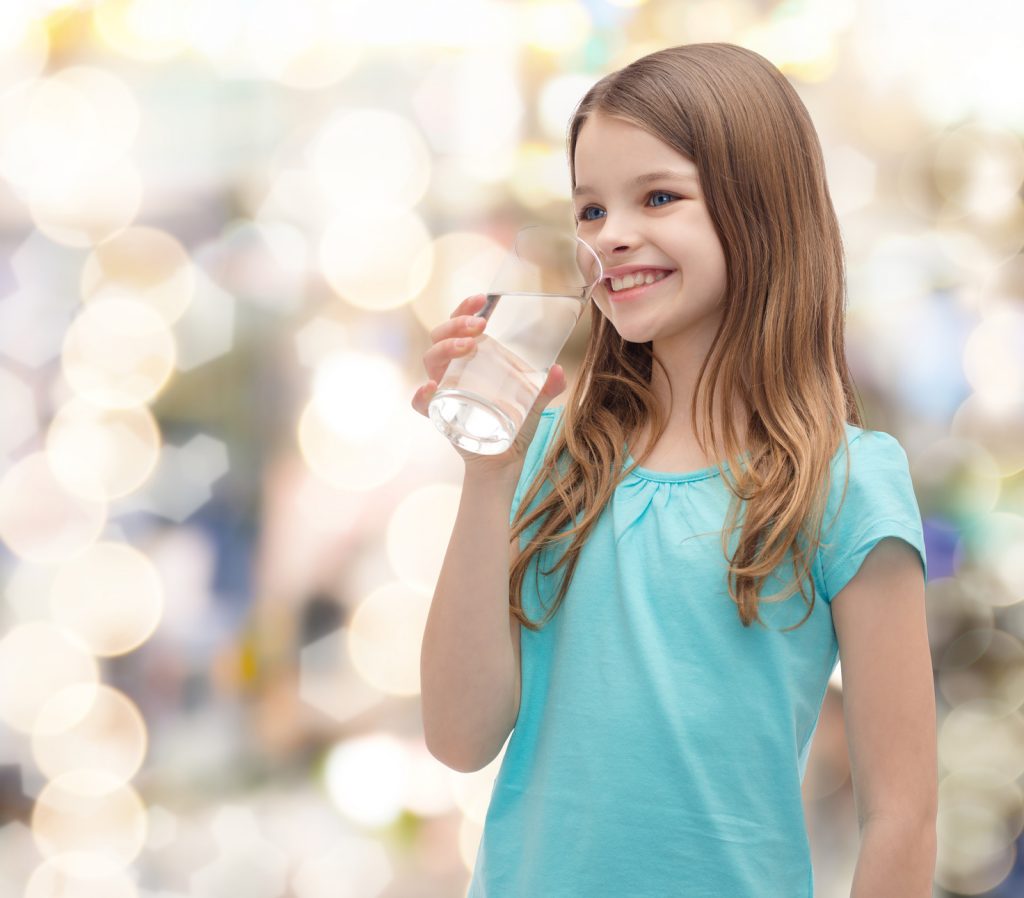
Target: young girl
694 538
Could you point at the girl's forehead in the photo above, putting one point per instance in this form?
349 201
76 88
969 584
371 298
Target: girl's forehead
611 151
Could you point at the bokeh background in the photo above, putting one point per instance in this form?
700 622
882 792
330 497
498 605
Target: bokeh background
226 230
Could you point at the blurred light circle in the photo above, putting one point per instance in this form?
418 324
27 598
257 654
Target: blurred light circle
356 394
994 357
85 813
112 102
118 353
89 727
359 465
464 264
147 30
955 479
40 519
368 162
994 543
99 879
24 45
39 121
304 49
983 663
473 107
384 638
556 102
101 453
540 177
19 409
43 661
556 26
974 854
110 596
419 531
145 263
998 427
979 169
986 734
367 777
376 264
88 208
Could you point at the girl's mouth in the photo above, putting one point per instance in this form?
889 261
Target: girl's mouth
634 292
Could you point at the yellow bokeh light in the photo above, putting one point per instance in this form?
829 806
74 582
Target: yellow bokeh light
369 163
418 534
43 661
554 26
100 453
359 465
89 727
378 264
148 30
147 264
110 596
40 519
118 353
464 264
84 814
99 879
384 638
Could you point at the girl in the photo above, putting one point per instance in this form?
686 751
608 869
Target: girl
694 538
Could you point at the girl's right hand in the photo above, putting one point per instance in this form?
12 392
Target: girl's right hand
465 325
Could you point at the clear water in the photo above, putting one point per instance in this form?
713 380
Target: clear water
484 397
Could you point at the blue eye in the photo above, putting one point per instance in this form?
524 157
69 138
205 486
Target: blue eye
661 193
584 216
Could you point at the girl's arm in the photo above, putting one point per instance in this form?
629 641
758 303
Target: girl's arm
889 710
469 662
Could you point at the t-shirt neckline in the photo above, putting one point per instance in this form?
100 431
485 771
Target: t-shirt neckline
670 476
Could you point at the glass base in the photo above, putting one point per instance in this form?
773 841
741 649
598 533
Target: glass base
472 422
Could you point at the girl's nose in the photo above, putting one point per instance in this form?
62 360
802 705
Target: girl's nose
616 237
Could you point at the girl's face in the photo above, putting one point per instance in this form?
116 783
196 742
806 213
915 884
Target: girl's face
638 204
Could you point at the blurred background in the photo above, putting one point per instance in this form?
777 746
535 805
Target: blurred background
226 230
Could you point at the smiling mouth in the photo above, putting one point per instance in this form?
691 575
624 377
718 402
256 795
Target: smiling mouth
635 291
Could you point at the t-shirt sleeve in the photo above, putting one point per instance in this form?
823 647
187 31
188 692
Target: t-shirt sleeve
879 503
542 439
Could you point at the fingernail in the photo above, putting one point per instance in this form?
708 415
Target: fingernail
462 344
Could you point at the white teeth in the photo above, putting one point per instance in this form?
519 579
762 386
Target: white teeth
633 280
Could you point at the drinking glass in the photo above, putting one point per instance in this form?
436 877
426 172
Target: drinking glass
533 305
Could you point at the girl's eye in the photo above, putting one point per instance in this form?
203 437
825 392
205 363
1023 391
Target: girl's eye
653 195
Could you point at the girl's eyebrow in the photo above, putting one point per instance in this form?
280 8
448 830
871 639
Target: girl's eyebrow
660 175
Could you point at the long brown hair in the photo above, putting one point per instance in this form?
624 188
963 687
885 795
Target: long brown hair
762 176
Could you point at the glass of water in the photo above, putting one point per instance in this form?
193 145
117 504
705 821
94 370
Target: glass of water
531 310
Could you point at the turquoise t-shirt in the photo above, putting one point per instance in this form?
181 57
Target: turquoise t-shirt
660 745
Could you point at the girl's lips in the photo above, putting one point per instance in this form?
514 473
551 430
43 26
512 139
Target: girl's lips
635 292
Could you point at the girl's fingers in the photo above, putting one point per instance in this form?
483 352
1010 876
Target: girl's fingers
421 398
439 356
458 326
